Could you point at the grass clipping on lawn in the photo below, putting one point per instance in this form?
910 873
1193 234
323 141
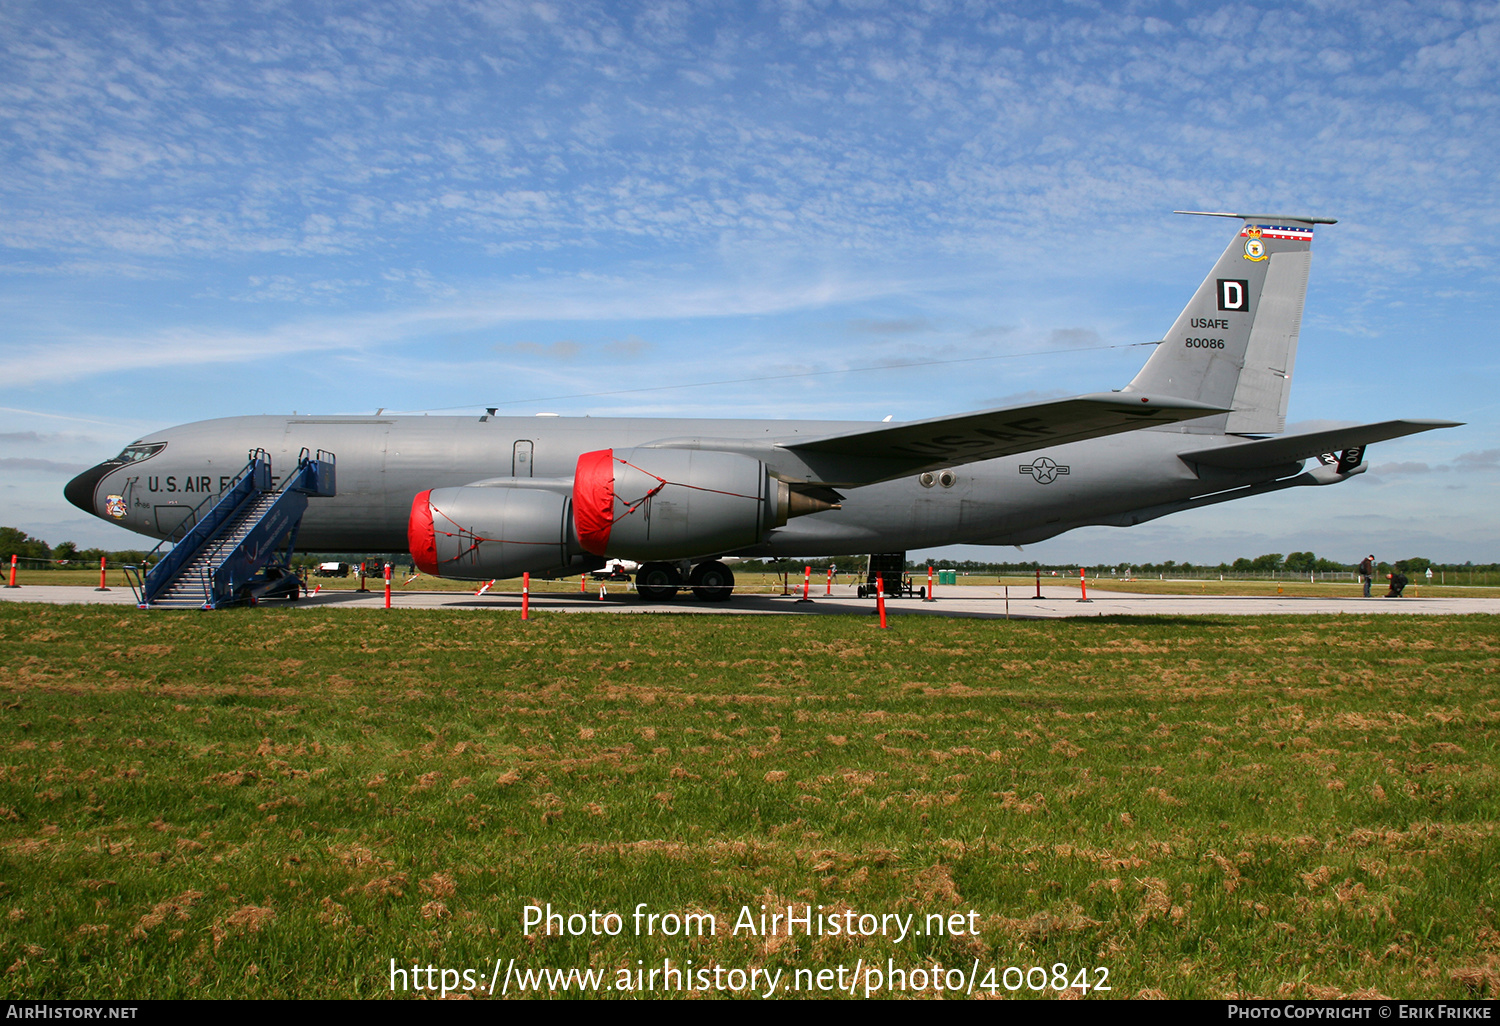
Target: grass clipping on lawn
278 803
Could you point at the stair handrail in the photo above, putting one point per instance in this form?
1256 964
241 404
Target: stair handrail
315 473
133 578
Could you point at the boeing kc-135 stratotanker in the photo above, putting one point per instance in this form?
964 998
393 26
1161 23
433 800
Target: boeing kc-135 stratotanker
485 497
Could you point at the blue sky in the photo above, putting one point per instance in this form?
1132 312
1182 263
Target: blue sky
229 208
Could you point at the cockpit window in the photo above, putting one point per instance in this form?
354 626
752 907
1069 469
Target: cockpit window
137 451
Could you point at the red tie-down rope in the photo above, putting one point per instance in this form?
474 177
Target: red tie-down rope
630 507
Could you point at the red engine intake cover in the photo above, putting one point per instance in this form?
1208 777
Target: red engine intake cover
419 534
593 500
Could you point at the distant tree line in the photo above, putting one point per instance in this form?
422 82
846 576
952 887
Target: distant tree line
36 553
1270 562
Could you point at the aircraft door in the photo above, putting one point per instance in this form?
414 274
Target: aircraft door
172 520
520 458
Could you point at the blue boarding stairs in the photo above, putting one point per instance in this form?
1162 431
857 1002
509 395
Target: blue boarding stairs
240 549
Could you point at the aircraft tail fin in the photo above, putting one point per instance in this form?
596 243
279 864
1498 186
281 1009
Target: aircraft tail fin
1235 342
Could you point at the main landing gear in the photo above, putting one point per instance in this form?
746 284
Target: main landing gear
658 582
711 581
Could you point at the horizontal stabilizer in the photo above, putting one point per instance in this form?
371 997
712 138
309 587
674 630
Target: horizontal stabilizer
1270 452
971 437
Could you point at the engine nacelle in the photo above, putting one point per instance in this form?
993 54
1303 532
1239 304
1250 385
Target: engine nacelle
479 532
649 504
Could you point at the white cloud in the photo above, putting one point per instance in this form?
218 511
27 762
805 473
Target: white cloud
579 299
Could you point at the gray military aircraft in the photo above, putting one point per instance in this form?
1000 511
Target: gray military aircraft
482 497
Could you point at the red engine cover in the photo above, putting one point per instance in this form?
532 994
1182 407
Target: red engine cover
593 500
419 534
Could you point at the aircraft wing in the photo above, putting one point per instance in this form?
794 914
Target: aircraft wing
989 434
1268 452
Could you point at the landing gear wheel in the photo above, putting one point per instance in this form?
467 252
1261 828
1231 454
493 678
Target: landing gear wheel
712 581
294 594
658 582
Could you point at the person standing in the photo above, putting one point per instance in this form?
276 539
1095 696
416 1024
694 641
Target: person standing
1367 572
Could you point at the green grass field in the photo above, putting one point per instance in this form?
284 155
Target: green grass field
277 803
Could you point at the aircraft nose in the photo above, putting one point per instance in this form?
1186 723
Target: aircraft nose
80 490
